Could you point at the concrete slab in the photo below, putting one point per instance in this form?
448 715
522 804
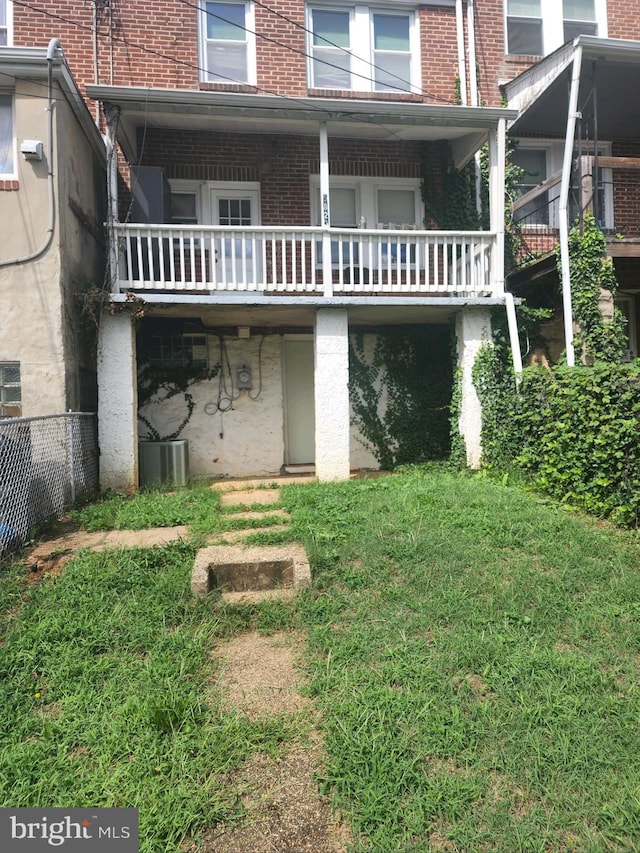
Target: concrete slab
234 569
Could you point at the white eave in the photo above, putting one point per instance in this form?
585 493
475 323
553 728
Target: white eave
466 128
609 66
30 63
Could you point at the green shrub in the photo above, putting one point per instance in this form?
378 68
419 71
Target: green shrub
574 432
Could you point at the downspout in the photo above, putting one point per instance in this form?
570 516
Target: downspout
96 75
462 69
54 45
563 214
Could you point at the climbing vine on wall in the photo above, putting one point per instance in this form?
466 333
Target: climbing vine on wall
592 273
401 393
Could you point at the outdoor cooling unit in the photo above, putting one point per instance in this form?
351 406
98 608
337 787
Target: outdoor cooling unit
163 462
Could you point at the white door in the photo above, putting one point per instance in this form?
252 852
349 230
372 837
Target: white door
300 417
237 257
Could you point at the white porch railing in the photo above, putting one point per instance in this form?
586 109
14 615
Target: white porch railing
176 258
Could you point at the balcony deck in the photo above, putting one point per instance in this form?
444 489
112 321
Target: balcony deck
304 261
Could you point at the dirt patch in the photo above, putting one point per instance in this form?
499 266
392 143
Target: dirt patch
260 675
283 809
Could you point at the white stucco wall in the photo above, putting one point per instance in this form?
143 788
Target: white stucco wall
39 325
473 329
253 440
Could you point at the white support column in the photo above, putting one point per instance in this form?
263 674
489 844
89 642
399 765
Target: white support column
497 154
563 206
117 403
473 329
331 378
325 211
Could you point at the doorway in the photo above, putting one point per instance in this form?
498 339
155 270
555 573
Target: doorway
299 400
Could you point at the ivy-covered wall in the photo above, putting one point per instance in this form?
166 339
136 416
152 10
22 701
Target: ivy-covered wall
401 390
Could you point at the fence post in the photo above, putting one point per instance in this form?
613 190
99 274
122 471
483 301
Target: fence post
70 457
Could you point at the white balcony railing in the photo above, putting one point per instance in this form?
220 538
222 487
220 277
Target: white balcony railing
213 259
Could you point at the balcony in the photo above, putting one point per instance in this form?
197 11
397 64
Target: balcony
298 261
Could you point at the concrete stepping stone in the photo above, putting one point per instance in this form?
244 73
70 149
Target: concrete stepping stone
234 569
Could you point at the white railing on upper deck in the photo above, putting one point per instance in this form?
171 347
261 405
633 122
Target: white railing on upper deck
292 260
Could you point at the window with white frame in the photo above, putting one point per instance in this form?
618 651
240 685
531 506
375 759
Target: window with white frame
537 27
228 45
363 49
541 159
5 22
6 135
370 202
10 390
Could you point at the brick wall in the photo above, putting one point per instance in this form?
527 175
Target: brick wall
281 164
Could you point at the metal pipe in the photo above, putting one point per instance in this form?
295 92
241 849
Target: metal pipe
53 47
462 68
563 215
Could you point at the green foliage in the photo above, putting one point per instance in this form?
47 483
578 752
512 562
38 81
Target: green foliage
591 273
449 194
579 432
572 431
401 396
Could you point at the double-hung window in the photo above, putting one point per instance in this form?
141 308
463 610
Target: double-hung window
361 49
537 27
5 22
228 42
7 154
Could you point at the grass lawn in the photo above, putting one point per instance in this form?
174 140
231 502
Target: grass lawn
475 653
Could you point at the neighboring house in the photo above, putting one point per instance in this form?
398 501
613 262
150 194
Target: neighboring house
272 174
579 138
52 208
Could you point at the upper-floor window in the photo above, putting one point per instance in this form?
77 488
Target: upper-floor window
6 135
363 49
536 27
228 51
5 22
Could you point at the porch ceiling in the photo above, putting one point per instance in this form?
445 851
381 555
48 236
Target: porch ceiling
611 66
284 313
465 127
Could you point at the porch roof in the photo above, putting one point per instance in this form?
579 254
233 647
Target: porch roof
467 128
610 68
287 312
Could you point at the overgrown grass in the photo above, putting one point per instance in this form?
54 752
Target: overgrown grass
108 699
473 649
475 655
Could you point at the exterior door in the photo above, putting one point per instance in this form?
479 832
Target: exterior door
238 256
300 417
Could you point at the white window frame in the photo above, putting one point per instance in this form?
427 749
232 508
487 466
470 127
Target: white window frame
13 174
8 27
366 196
555 157
189 187
361 44
250 30
619 300
551 12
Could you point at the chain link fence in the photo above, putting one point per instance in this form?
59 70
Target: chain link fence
47 464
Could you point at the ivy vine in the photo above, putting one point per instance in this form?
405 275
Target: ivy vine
592 273
401 393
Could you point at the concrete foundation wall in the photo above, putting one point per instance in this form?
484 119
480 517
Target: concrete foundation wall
473 329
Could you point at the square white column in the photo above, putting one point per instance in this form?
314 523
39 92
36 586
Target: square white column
117 403
473 329
331 382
